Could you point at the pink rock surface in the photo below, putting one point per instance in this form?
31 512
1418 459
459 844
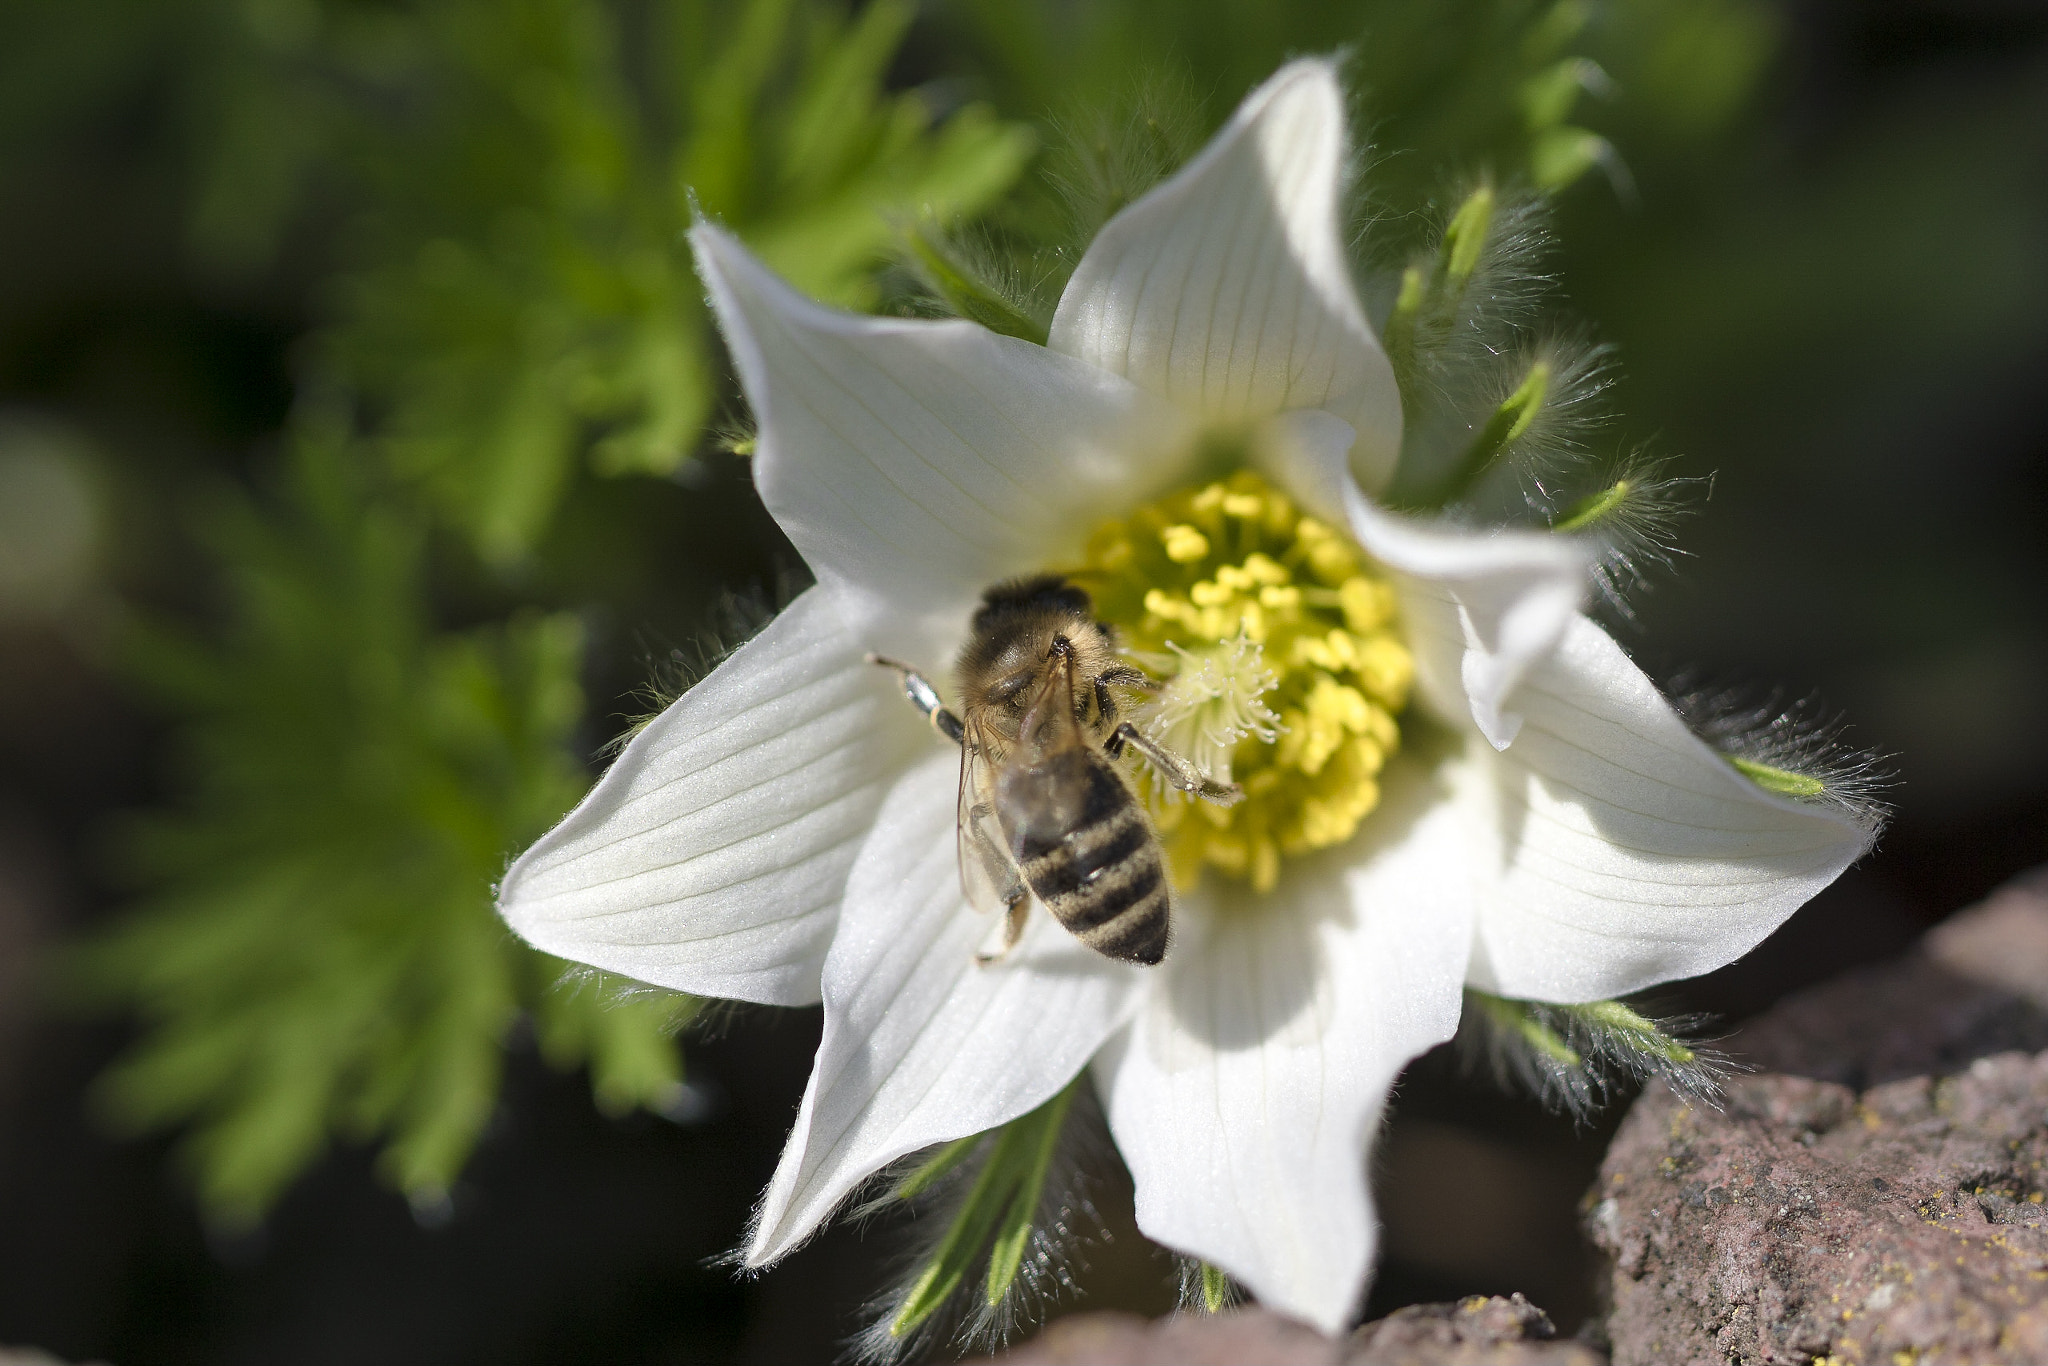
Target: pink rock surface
1243 1336
1474 1332
1877 1196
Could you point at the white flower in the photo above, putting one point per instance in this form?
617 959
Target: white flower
785 832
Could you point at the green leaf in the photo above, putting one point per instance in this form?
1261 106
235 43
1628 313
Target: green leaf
315 951
623 1031
521 298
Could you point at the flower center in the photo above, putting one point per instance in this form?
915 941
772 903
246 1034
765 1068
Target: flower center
1283 667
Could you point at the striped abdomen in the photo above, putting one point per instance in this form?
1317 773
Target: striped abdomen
1083 844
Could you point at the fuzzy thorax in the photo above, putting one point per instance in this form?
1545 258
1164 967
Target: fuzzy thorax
1283 668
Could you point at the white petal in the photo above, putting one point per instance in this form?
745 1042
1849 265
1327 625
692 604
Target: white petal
1245 1094
1625 852
1481 607
1226 288
711 857
922 1044
919 461
1491 607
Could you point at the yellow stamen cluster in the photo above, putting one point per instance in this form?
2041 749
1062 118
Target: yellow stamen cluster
1203 576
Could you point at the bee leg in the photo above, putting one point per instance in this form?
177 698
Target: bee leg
1120 676
1172 767
1105 702
925 698
1013 930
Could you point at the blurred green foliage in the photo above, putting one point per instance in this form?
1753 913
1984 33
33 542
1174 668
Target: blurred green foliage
509 293
317 948
527 295
511 290
485 200
1445 91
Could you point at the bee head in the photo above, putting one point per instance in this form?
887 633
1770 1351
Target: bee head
1031 596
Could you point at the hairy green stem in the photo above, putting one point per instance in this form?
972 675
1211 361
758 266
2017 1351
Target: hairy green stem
1215 1289
966 293
1782 781
1001 1206
1595 509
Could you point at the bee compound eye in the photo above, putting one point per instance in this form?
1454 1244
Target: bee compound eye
1010 691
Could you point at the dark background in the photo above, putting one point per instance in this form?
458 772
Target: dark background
1841 312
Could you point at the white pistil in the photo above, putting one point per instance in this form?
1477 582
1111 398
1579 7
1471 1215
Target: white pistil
1214 700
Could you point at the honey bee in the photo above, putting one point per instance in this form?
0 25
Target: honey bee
1044 810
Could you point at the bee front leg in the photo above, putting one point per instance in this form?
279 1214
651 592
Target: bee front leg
1172 767
925 698
1121 676
1124 676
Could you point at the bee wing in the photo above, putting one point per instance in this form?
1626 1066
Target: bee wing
988 875
1051 719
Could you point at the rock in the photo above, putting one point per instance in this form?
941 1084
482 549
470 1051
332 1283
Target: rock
1877 1195
1230 1339
1473 1332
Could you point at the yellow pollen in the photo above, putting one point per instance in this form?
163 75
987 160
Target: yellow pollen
1185 544
1269 613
